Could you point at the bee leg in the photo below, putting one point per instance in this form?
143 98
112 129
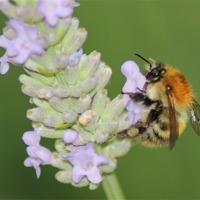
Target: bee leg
123 133
136 96
141 90
140 97
128 93
133 132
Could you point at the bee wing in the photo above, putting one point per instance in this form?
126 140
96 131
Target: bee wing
194 113
173 124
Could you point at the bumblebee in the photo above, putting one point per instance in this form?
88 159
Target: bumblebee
168 100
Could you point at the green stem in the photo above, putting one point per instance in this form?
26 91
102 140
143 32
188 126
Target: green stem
112 188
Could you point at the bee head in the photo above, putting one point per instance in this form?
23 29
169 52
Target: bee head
156 71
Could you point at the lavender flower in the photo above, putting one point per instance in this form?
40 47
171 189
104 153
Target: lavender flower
52 10
135 80
38 155
134 77
22 46
86 163
68 91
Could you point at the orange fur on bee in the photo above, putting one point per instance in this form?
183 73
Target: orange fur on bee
180 87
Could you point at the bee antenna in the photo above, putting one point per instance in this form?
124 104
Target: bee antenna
144 60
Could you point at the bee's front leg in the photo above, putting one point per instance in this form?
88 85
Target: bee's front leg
140 97
136 96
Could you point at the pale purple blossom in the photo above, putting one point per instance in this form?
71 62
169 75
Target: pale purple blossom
86 163
135 80
25 42
22 46
38 155
52 10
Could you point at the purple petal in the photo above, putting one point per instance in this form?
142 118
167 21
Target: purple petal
129 68
36 49
45 155
24 44
141 80
28 162
31 150
77 174
94 176
52 20
134 111
32 32
134 78
11 50
4 66
22 56
99 160
86 163
70 136
41 153
52 10
31 162
38 171
130 86
31 138
4 42
134 106
16 25
80 152
133 118
64 13
89 148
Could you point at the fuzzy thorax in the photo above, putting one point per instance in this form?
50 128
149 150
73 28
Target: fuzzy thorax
179 86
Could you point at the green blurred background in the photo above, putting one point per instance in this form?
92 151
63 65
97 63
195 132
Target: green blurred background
167 31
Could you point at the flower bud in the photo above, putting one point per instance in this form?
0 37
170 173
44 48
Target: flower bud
99 102
115 107
89 65
69 116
